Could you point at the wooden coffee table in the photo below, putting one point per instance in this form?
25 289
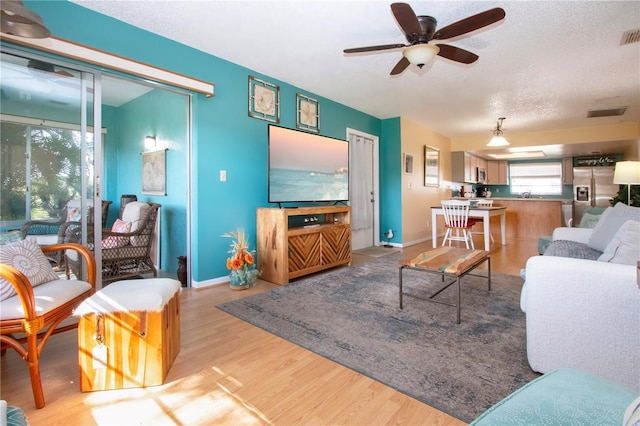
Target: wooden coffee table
449 262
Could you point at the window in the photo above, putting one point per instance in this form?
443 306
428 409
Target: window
40 168
538 178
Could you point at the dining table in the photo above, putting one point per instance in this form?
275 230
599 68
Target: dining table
483 212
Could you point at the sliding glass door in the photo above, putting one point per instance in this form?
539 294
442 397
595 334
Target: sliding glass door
48 170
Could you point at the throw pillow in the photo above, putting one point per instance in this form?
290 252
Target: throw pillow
573 249
611 220
27 257
589 220
112 241
74 214
625 246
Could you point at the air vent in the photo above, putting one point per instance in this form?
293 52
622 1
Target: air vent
628 37
614 112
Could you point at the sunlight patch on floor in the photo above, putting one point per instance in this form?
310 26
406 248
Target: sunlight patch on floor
179 402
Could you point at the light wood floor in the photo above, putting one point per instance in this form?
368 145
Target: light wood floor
229 372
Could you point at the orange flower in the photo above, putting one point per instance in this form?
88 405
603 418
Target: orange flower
229 264
248 257
236 263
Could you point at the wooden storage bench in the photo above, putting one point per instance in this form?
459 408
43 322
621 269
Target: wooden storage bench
129 334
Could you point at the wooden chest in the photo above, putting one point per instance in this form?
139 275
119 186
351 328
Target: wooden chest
128 349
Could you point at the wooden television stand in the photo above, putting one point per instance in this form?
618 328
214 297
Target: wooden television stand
293 242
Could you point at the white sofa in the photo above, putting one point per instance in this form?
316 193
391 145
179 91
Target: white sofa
583 314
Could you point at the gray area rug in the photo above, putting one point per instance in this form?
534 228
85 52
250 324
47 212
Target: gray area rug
351 315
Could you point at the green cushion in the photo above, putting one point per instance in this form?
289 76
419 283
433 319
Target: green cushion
543 242
562 397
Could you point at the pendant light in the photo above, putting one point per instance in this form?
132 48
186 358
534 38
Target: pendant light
19 21
497 139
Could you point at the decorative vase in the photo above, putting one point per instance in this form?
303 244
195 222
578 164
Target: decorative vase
182 270
238 283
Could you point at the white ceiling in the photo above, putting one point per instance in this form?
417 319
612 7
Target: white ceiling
543 67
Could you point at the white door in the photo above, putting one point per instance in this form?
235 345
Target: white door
363 188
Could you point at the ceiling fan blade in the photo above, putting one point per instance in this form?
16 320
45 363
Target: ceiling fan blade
400 66
406 18
469 24
373 48
457 54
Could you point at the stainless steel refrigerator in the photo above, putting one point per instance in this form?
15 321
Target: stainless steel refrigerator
592 187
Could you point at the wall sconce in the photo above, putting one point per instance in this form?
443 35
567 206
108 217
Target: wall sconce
150 142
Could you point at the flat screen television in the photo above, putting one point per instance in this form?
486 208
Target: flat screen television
306 167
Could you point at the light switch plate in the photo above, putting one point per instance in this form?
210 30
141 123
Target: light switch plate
223 175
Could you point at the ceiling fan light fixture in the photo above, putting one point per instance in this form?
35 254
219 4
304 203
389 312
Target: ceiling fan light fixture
17 20
498 139
421 54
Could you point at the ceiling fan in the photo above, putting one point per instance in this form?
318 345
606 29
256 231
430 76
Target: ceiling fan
420 30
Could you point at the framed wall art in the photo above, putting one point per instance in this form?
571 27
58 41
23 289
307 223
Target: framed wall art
431 166
308 113
154 172
264 100
408 164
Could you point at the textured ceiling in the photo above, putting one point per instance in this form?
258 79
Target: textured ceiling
543 67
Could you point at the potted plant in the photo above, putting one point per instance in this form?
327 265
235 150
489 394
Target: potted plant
241 263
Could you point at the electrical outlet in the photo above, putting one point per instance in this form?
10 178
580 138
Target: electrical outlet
223 175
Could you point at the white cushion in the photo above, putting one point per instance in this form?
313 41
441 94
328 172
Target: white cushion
27 257
624 247
44 239
150 295
48 296
133 213
611 220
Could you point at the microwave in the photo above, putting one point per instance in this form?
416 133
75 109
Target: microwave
481 175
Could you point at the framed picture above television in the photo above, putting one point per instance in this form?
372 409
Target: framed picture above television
308 113
264 100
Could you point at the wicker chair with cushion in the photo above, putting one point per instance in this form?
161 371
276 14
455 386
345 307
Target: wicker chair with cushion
34 301
126 247
47 232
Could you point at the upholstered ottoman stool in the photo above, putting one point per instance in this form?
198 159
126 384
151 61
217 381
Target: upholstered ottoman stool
129 334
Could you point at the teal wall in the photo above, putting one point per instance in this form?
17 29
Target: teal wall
224 137
391 179
164 115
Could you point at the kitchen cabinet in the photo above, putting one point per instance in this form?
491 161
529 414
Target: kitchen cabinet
497 172
463 167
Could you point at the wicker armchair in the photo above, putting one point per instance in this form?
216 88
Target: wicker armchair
36 312
47 232
124 254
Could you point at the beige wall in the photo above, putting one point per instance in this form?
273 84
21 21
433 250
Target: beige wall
417 198
608 133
